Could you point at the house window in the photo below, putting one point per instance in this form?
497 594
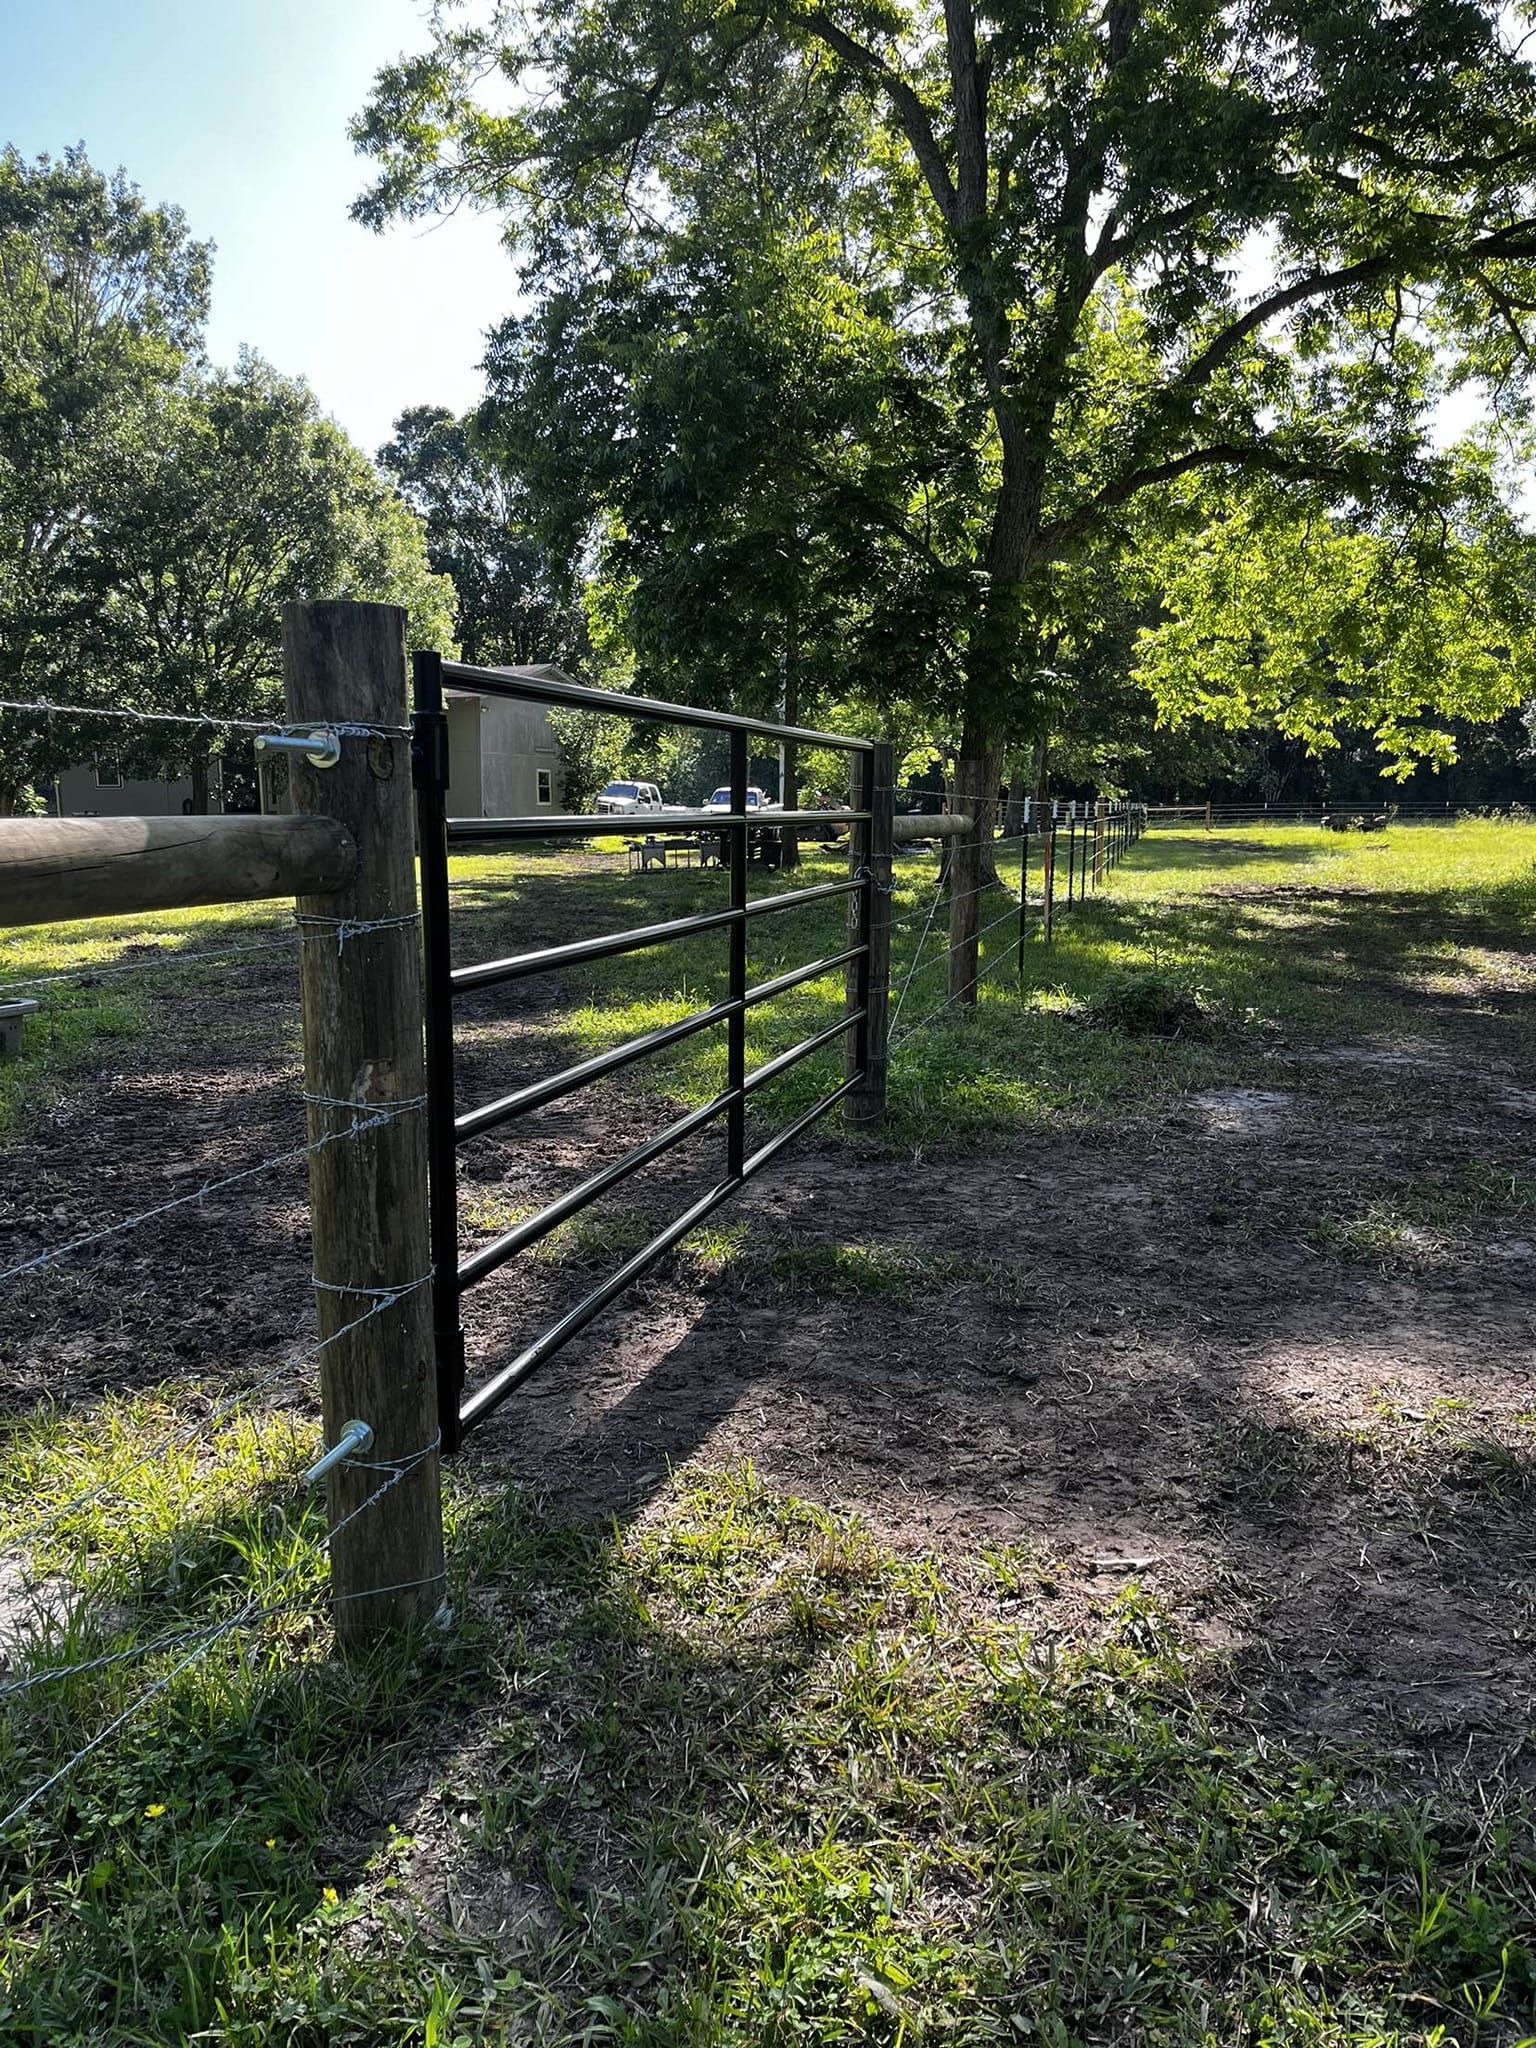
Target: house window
546 786
108 778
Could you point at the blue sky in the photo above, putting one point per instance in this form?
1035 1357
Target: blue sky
236 110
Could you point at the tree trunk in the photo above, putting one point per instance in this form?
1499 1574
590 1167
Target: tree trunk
1042 762
977 773
200 765
994 673
1013 812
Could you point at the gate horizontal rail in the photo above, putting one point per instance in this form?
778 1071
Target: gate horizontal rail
449 1126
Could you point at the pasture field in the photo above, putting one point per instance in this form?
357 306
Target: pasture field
1061 1572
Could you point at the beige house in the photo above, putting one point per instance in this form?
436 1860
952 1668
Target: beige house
503 757
98 790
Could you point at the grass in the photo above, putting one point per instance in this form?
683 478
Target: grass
1365 934
734 1775
1430 1215
892 1270
113 974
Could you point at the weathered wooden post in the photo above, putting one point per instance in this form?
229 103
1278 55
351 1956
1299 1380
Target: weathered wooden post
360 979
1048 873
869 921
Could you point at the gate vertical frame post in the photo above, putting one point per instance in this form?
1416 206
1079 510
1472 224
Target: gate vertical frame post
867 984
432 767
1048 873
344 664
736 1023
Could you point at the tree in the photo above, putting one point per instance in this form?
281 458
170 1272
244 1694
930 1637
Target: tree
1277 612
725 433
513 602
102 302
235 494
1156 241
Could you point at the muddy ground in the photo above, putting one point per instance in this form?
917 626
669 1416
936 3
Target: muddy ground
1190 1351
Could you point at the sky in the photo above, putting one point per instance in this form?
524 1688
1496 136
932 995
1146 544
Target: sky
236 111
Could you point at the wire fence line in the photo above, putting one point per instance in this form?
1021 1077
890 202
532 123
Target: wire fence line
394 1469
183 1439
371 1117
309 927
945 1009
204 721
257 1610
171 961
1104 840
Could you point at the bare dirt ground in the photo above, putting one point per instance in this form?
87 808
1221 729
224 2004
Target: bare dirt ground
1185 1353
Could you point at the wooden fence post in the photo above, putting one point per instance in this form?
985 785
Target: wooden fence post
361 988
869 979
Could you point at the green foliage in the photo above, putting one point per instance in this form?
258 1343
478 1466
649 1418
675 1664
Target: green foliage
234 494
739 1773
102 300
1278 613
510 604
975 293
592 751
1150 1002
154 513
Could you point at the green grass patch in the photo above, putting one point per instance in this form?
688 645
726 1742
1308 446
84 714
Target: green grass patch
113 980
1429 1215
736 1775
1279 930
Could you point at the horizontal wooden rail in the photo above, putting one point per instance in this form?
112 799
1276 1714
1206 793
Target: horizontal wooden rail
52 869
905 831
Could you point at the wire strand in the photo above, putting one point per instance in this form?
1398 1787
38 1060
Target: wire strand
258 1604
203 720
180 1440
382 1115
155 966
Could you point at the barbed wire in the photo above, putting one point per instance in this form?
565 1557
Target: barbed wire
259 1604
957 896
946 1009
381 1114
1009 916
918 965
342 929
922 939
242 1397
345 929
56 1674
204 720
171 961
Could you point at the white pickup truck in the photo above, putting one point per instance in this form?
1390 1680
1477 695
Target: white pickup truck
630 799
756 800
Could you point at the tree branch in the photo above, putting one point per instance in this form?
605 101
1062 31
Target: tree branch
910 111
1504 242
1243 455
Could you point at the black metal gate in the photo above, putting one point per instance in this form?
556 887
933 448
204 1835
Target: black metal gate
449 1127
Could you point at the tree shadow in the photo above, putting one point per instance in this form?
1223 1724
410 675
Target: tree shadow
730 1749
1182 855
